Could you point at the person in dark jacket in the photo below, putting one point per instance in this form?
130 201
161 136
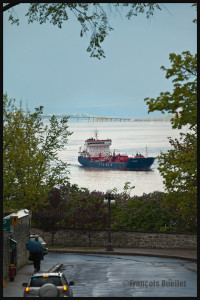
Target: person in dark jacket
36 257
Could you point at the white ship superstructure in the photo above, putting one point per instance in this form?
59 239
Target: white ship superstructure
94 147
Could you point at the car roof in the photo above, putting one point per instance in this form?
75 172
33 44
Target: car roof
46 273
36 236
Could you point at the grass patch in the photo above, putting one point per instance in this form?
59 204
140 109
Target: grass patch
88 248
80 248
55 247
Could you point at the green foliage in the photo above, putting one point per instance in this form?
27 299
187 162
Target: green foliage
49 215
84 209
184 95
81 209
195 5
179 165
182 209
93 18
31 166
125 195
140 213
71 207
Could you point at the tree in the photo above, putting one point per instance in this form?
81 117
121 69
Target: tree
184 95
85 210
179 165
139 213
50 214
91 16
71 207
31 166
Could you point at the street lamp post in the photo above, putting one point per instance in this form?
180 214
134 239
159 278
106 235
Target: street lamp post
109 200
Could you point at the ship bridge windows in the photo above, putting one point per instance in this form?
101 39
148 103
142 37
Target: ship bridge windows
98 143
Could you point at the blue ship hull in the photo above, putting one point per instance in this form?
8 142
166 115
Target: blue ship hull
135 164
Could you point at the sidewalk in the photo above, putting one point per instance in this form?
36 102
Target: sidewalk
186 254
15 288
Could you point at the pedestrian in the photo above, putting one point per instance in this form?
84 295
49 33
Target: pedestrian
36 258
35 253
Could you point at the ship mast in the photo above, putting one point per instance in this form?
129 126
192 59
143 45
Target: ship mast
96 134
146 152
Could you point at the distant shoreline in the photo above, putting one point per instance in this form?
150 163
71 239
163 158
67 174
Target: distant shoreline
103 118
152 119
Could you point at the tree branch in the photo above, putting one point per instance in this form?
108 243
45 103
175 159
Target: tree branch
10 5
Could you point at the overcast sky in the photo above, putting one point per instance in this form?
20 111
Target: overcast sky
48 66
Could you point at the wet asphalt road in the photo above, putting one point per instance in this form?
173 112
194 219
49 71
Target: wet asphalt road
128 276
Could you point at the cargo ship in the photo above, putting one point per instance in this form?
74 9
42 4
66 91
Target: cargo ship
96 154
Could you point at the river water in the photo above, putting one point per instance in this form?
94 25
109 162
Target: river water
127 138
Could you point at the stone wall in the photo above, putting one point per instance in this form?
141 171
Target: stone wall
20 234
6 253
121 239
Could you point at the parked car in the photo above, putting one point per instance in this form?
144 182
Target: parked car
48 285
36 237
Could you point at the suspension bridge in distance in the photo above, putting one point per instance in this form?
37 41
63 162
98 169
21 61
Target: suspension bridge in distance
89 118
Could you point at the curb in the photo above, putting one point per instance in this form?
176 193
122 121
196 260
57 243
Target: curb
55 268
124 253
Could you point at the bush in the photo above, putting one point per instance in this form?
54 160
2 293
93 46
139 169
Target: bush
156 211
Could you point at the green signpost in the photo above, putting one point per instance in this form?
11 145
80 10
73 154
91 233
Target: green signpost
6 225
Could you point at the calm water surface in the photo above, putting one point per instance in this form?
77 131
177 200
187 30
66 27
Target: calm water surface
127 138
